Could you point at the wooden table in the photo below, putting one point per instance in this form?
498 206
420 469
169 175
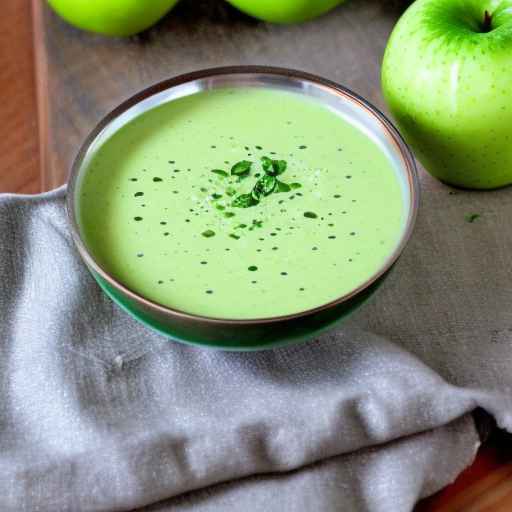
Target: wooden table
19 152
81 76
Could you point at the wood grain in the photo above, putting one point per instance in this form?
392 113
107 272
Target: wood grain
82 76
19 170
486 486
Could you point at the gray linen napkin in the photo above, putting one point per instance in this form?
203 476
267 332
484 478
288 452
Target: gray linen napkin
99 414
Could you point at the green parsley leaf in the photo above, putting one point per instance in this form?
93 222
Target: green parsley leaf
244 201
208 233
310 215
241 168
266 164
279 166
281 186
220 172
273 167
264 186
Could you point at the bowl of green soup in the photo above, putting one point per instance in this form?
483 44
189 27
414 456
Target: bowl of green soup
242 208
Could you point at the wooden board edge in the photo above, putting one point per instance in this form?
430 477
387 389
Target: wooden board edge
42 90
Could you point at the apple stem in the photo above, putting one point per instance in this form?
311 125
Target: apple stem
487 24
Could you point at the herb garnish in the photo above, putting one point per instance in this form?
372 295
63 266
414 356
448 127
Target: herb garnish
264 187
266 164
273 167
208 233
244 201
266 184
310 215
220 172
278 167
281 186
241 168
471 217
256 224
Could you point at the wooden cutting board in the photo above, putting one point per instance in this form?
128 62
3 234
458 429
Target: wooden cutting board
81 76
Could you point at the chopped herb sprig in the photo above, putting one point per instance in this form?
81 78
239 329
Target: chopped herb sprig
265 185
220 172
241 168
244 201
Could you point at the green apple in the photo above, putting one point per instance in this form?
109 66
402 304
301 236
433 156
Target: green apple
447 79
112 17
285 11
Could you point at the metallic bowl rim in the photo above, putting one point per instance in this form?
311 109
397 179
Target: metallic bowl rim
389 130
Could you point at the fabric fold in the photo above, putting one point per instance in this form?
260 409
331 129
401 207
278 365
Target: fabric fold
98 413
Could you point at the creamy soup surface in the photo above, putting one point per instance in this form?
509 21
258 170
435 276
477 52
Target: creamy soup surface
241 203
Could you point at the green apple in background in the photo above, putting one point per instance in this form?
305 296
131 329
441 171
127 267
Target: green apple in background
285 11
112 17
447 79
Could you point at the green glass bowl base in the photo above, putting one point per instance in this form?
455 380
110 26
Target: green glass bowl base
244 337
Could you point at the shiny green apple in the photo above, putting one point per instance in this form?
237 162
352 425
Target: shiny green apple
112 17
285 11
447 79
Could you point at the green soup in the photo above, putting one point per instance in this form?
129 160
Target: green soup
241 203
